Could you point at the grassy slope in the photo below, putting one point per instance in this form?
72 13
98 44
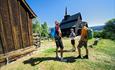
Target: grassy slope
101 57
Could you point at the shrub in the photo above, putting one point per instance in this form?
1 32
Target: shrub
98 34
109 30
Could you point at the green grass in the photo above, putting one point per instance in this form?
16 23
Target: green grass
49 51
101 57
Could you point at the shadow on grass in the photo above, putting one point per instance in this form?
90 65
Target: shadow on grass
38 60
65 51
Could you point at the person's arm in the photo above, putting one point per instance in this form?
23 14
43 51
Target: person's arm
70 35
74 34
60 34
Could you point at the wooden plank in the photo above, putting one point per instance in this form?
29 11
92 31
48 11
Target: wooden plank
24 26
11 24
20 20
31 37
1 45
28 28
13 55
6 26
19 25
16 23
2 41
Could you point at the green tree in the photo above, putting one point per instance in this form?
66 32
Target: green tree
36 26
45 32
109 29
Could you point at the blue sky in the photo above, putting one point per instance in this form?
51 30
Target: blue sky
95 12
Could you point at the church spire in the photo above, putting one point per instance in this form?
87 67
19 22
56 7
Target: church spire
66 15
66 11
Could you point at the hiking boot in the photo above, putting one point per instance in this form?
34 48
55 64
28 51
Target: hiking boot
63 60
78 57
57 57
85 57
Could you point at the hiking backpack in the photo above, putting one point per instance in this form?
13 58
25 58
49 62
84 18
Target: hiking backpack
90 33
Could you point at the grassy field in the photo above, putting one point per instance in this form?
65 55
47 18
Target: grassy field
101 57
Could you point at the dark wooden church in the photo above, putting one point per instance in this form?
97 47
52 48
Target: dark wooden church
15 26
71 21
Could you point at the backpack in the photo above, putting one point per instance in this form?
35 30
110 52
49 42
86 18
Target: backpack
53 32
90 33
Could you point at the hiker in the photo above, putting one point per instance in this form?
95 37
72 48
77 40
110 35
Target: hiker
83 41
72 37
58 40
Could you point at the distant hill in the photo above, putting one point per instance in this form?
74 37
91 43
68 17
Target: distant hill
97 28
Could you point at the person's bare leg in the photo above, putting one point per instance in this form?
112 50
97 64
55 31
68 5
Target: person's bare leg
86 51
86 56
62 56
74 47
79 51
56 51
61 52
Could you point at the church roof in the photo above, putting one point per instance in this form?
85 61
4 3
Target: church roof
70 18
70 21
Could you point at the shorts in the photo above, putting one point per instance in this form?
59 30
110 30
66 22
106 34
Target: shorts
59 43
82 43
73 42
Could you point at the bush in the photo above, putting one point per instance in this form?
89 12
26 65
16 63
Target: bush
98 34
109 30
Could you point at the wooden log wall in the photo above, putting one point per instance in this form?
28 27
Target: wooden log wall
15 25
6 27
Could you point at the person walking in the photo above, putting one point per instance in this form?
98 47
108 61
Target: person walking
83 41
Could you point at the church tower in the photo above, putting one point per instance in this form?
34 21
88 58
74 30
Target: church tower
66 11
66 14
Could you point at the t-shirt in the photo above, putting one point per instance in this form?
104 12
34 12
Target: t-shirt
84 33
72 35
58 31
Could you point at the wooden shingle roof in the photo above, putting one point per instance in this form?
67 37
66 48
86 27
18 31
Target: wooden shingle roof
70 21
71 18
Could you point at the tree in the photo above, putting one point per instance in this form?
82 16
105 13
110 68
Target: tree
37 26
42 29
109 29
45 32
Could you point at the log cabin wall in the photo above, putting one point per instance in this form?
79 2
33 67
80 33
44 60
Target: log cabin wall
15 25
6 26
24 26
14 18
1 46
30 31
